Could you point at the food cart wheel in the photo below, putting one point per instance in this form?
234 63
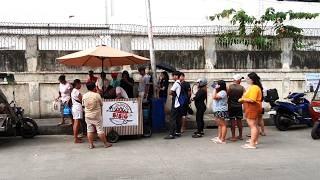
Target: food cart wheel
147 131
113 136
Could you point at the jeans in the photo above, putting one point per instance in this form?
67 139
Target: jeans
175 121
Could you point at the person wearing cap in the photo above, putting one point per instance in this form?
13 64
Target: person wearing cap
92 78
115 82
199 101
235 92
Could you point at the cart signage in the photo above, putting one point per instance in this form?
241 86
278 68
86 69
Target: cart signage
120 113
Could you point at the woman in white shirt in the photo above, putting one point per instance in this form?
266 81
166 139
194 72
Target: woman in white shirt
77 111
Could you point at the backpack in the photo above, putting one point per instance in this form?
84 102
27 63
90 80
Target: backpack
183 97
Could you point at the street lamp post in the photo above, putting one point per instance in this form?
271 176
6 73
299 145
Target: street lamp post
151 49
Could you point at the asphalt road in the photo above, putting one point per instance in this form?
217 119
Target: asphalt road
280 155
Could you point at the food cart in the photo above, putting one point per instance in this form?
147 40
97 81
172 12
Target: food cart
123 117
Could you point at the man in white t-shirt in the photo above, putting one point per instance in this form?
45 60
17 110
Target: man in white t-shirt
176 115
77 111
144 83
64 96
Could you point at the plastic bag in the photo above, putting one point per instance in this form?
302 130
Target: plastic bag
56 105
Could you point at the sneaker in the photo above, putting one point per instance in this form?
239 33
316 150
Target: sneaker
197 135
214 139
221 142
202 133
169 137
177 134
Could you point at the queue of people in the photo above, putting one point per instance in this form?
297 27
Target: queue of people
228 104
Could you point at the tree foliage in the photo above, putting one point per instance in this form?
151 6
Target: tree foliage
259 25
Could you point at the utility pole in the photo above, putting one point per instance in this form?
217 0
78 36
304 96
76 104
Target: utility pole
151 49
107 11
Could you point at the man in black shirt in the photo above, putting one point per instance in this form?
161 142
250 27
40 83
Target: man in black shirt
185 89
235 92
127 83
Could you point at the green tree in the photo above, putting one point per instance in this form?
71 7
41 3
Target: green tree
270 18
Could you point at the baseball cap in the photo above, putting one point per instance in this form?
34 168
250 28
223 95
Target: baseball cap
237 77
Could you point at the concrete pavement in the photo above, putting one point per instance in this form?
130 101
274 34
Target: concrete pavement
281 155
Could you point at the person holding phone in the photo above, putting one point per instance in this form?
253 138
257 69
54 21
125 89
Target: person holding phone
220 110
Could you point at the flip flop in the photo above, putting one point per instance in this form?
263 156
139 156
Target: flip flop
108 145
263 134
60 124
78 141
232 139
247 146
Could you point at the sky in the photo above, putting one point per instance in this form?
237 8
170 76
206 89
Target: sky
164 12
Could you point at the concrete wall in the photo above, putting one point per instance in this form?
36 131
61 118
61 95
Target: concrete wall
306 60
179 59
12 60
248 60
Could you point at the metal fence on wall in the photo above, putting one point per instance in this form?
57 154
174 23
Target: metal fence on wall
12 42
308 44
73 43
82 36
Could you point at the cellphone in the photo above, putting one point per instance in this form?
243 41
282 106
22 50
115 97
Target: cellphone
213 85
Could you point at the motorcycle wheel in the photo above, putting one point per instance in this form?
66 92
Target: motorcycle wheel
29 128
315 133
282 122
113 137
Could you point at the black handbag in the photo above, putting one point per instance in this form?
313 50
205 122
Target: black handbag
190 111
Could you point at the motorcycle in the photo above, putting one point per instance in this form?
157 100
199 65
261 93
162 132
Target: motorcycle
12 120
295 111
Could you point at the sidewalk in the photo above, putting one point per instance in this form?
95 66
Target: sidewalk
50 126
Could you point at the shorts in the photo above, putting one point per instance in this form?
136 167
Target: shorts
62 107
221 114
94 124
77 114
235 113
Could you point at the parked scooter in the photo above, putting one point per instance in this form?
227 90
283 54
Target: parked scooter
296 111
12 120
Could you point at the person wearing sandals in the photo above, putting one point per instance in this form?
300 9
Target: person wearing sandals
199 101
92 106
235 92
65 89
220 110
252 102
77 111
